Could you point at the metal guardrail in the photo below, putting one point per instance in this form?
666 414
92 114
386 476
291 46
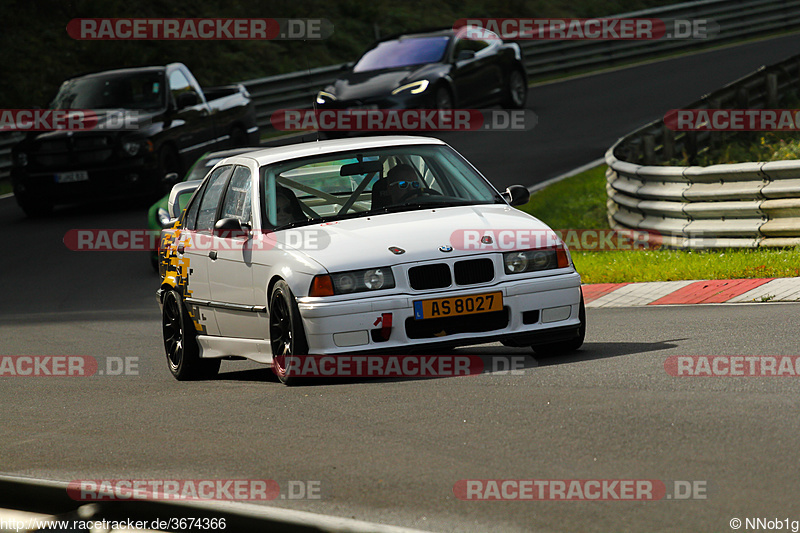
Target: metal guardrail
718 206
737 19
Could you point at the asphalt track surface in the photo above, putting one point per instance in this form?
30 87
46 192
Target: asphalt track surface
390 451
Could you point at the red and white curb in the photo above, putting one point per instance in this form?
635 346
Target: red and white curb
692 292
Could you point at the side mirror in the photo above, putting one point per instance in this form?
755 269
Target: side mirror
464 55
516 195
231 227
187 99
178 190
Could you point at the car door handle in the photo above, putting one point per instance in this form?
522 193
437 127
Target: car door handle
213 255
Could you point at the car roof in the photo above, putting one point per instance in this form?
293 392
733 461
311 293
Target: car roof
435 32
269 156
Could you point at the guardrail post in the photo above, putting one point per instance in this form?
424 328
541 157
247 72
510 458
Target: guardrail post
649 149
691 146
772 89
668 150
743 98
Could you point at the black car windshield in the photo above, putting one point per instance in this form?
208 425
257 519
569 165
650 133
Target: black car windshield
403 52
369 182
112 91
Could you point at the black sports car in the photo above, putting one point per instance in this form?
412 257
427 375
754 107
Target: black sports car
441 69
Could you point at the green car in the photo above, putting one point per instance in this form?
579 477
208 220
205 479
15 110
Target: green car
157 216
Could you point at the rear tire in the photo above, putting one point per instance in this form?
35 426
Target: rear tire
287 337
238 138
168 161
565 347
516 90
180 342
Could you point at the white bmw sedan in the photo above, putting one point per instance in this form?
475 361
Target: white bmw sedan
382 245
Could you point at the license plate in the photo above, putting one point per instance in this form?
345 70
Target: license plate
458 305
71 177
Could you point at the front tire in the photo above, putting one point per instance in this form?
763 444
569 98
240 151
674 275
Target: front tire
33 208
180 342
443 98
287 337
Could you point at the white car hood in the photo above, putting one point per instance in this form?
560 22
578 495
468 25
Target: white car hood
364 242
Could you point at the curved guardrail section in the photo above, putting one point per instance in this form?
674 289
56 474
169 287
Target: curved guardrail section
719 206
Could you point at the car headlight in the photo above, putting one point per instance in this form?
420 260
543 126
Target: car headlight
323 97
415 88
535 260
131 147
370 279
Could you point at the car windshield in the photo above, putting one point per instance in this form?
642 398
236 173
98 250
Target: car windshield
403 52
369 182
112 91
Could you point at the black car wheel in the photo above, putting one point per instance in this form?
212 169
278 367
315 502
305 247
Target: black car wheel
443 99
238 137
168 162
180 342
516 90
33 208
286 335
564 347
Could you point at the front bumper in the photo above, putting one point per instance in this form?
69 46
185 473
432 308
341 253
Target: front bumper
535 311
132 177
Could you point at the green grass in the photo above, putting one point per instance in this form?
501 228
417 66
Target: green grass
671 265
579 202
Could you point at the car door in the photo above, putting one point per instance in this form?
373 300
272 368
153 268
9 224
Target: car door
197 240
193 125
477 78
230 272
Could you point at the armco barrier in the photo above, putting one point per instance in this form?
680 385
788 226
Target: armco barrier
718 206
737 19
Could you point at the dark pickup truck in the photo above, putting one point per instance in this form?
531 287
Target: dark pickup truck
174 122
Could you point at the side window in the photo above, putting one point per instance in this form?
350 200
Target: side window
476 45
207 214
178 83
190 222
237 196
